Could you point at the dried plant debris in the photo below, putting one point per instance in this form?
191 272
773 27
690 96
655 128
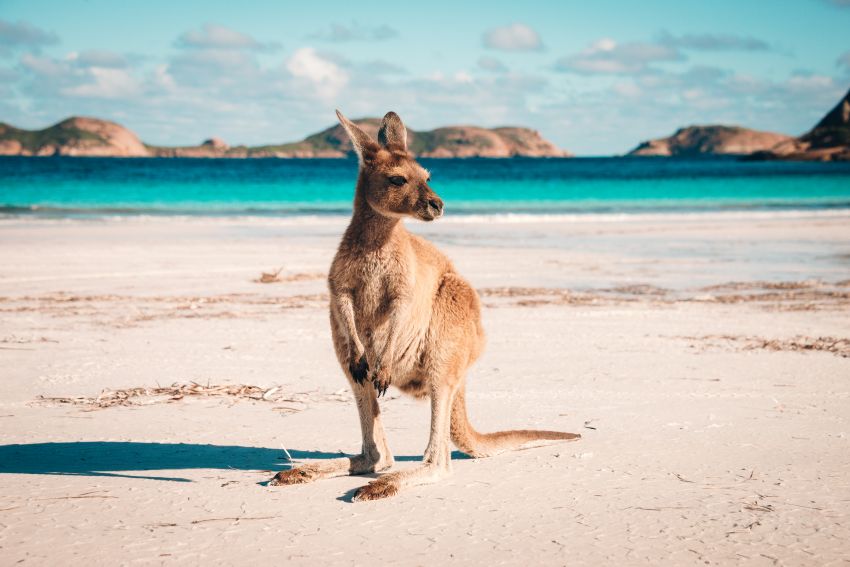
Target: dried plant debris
275 277
808 299
757 506
639 289
736 286
127 310
786 296
270 277
540 296
294 402
837 346
14 339
805 295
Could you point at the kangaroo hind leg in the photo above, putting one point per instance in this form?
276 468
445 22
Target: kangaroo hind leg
436 463
374 455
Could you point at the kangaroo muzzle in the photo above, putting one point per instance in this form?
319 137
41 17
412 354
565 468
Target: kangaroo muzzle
433 208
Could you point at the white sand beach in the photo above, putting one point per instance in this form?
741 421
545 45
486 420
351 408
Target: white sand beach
705 359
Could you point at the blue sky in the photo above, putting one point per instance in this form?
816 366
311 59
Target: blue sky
594 77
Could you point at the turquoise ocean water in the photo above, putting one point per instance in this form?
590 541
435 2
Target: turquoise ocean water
85 187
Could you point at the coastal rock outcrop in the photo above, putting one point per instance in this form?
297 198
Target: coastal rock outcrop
75 136
710 140
93 137
446 142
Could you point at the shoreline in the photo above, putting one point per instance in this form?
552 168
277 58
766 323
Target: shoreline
38 213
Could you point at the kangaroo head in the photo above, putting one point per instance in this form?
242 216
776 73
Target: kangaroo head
393 184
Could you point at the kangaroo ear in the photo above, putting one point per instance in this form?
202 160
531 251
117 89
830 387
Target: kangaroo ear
365 146
392 132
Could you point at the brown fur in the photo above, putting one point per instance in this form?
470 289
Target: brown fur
402 316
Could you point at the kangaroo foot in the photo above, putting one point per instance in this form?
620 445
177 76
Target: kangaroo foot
383 487
391 483
298 475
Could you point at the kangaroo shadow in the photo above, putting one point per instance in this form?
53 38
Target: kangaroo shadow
110 458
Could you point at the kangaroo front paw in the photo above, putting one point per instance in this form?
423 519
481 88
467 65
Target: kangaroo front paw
359 370
381 380
383 487
298 475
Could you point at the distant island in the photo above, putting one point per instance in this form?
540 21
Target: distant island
711 139
829 140
81 136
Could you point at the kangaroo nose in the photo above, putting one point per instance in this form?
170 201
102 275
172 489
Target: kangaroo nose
436 204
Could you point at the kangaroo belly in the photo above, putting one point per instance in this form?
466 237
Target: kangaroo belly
400 338
394 329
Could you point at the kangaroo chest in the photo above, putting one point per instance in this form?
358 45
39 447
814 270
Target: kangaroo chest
380 283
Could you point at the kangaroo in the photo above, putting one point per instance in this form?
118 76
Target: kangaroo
402 316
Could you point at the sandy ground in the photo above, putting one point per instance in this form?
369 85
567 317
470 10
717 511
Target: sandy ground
704 360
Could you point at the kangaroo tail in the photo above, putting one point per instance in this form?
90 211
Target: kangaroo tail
477 444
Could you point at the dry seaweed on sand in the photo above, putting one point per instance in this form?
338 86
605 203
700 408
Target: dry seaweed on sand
766 285
147 396
270 277
275 276
837 346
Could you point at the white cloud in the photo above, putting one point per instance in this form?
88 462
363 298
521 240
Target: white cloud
43 65
23 35
162 79
106 83
214 36
714 42
204 64
78 76
326 77
100 58
514 37
810 83
606 56
462 77
340 33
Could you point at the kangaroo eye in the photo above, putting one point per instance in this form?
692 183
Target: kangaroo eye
398 180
